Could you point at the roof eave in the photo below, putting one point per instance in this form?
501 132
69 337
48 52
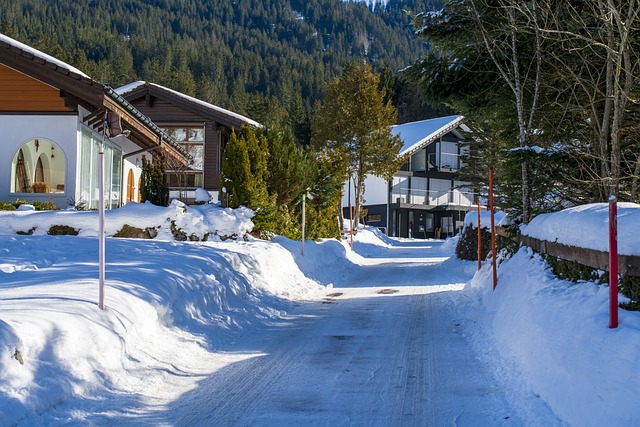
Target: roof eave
432 137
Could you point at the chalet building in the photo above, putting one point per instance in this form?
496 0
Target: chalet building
425 198
202 129
54 119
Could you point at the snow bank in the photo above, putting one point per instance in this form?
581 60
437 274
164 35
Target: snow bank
556 335
172 308
587 226
471 219
208 219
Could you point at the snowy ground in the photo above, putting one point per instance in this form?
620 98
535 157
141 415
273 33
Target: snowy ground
252 333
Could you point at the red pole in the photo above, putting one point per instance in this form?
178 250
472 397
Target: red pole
479 238
493 230
613 262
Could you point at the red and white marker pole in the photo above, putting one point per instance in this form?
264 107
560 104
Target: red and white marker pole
613 262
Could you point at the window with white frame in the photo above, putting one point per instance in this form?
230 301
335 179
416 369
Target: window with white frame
89 178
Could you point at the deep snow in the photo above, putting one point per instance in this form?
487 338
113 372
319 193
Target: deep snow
179 313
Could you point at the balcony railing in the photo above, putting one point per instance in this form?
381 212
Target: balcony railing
444 161
432 197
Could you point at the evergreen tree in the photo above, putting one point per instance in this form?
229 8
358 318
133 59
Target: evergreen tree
352 129
154 188
263 45
245 177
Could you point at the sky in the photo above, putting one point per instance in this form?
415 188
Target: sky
313 336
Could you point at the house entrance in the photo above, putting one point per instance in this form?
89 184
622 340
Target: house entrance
420 224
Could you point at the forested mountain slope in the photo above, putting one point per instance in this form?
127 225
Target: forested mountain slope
239 54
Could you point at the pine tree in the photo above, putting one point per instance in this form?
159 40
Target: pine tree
154 186
352 129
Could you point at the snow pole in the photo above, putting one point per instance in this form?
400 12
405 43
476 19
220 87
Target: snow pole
493 230
351 225
101 242
304 196
479 239
613 262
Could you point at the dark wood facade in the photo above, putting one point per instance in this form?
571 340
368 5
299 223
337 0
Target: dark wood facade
169 108
19 92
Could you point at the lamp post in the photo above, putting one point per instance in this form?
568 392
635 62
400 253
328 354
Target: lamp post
101 213
304 196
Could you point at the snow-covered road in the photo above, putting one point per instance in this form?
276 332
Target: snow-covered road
387 348
250 333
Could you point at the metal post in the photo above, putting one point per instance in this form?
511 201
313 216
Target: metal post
479 239
101 243
613 262
303 221
493 231
351 225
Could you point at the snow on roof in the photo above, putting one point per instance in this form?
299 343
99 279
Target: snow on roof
418 134
41 55
123 90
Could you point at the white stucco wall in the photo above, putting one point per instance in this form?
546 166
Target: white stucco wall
132 163
376 191
65 132
16 130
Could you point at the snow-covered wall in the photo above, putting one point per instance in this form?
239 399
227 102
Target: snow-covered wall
376 192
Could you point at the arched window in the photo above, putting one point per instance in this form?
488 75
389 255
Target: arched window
38 167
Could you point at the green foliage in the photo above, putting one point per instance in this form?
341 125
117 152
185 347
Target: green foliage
245 175
39 206
7 206
563 86
222 52
573 271
352 128
630 288
154 186
467 247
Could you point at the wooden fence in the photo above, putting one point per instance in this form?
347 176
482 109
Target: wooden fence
628 264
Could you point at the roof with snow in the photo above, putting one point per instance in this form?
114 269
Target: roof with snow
417 135
130 89
79 88
43 57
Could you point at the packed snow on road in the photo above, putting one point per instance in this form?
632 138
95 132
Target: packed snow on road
231 331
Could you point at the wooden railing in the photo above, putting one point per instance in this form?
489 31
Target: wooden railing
628 264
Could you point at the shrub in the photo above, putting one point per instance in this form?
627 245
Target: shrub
62 230
630 288
39 206
467 247
571 270
128 231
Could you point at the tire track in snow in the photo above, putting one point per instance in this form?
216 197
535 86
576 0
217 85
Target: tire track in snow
368 357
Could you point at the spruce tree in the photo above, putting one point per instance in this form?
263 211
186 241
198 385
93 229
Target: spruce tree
245 177
154 186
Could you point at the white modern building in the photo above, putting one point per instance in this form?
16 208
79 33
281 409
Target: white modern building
425 199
